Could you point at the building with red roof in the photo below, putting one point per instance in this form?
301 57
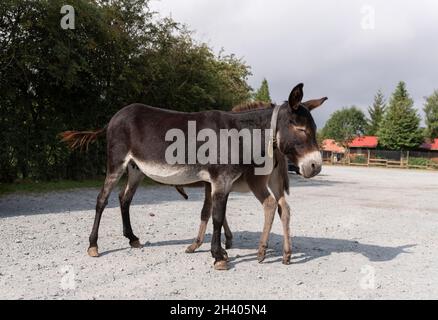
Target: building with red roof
363 149
431 145
332 151
365 142
330 145
369 142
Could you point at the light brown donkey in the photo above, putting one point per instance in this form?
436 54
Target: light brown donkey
278 184
138 143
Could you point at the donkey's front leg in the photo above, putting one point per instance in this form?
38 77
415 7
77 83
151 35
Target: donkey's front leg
219 204
284 212
205 216
259 187
269 207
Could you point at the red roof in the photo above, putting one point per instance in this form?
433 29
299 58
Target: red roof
364 142
332 146
431 145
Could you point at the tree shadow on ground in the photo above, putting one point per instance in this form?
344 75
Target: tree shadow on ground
322 180
85 199
304 249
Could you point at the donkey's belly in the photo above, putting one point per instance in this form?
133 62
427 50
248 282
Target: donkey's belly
168 174
240 186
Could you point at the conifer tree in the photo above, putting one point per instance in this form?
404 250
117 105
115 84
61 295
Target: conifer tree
376 112
262 93
400 128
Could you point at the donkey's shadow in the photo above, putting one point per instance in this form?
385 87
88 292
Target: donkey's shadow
304 249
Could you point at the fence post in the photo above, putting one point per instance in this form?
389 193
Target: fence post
429 161
407 159
369 155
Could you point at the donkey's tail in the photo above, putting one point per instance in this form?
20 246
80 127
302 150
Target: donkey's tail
182 192
81 139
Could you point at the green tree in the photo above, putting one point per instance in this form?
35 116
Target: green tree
376 112
52 80
344 125
400 128
262 93
431 111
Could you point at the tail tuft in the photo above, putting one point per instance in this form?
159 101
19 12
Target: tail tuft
80 139
182 192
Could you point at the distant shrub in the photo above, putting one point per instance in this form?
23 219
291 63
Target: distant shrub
361 159
419 162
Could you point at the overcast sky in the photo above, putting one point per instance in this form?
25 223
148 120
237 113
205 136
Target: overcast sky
343 49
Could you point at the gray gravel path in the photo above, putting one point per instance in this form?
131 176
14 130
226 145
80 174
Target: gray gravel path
357 233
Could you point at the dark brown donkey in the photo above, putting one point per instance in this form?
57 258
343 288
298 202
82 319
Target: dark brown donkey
136 138
278 184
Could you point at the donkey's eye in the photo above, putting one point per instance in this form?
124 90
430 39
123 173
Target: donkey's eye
302 129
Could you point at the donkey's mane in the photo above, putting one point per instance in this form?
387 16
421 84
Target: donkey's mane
252 105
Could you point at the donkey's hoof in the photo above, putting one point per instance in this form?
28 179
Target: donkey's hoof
228 244
225 254
93 252
221 265
286 258
191 248
135 244
261 256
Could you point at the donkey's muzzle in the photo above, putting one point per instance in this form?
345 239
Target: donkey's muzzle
310 165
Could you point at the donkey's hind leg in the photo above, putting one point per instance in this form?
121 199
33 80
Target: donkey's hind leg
205 216
102 200
135 176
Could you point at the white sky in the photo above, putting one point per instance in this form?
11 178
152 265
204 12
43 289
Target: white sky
323 44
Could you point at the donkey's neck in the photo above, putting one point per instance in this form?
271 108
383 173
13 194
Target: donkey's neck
259 120
256 119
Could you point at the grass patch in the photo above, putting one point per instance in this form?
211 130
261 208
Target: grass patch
26 186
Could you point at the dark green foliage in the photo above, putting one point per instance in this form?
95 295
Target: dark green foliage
376 112
344 125
262 93
400 128
53 80
431 111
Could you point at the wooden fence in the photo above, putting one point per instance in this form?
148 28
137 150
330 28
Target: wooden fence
373 158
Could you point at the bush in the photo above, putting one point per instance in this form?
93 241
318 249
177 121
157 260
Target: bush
360 159
419 162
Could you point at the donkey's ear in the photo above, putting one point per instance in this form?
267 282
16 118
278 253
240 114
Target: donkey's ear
296 96
313 104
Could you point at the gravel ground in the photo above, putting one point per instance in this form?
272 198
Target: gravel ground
357 233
